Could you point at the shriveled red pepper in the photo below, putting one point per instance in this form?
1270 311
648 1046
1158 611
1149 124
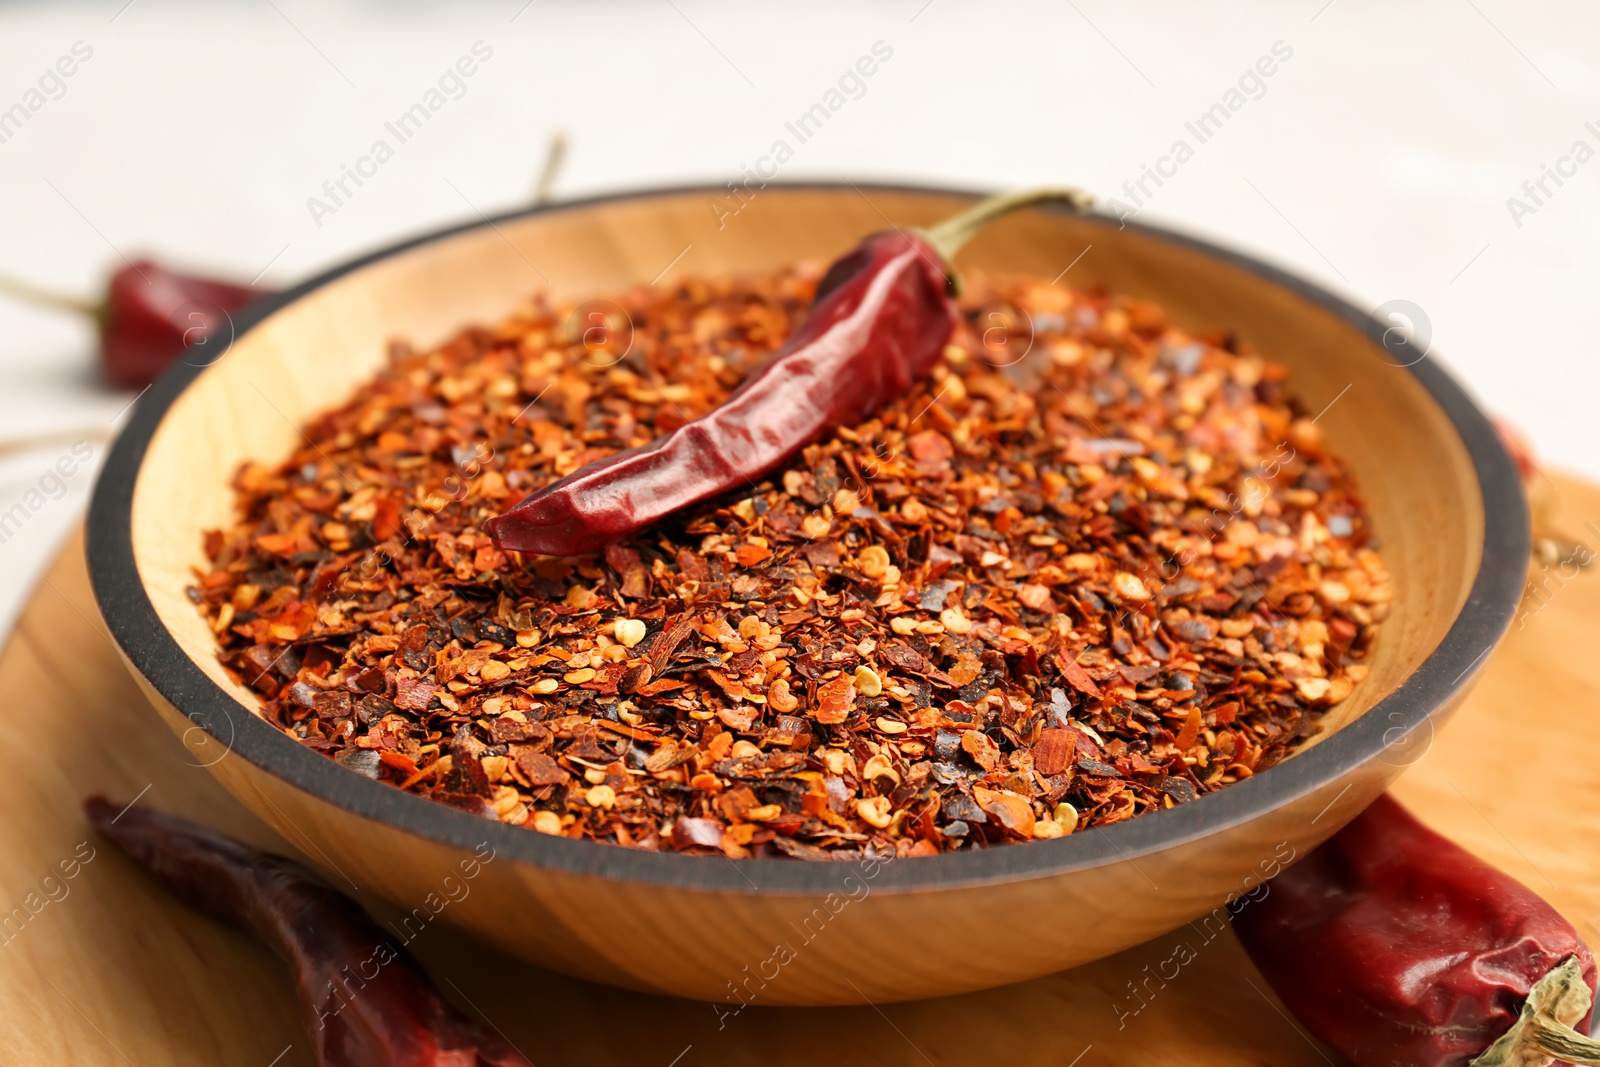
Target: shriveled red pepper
154 315
150 317
366 1001
881 318
1398 948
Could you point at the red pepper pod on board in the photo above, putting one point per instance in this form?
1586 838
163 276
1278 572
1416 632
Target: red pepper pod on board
881 317
366 1002
1395 947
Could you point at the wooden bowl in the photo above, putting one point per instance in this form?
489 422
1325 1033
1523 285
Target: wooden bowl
1444 497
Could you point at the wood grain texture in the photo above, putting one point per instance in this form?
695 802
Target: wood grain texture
115 973
1414 470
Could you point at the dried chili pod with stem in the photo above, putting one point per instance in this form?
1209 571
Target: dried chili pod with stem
366 1002
1395 946
150 316
881 317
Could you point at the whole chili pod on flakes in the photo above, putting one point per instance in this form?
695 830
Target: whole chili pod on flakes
149 318
366 1002
1396 947
881 317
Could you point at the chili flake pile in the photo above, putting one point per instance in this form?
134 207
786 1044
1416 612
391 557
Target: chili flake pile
1092 566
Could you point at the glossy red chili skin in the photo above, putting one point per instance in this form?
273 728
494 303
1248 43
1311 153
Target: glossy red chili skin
365 1002
153 315
882 317
1395 946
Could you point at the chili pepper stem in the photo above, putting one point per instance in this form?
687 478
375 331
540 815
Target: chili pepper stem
29 293
1565 1043
948 236
554 155
1556 1002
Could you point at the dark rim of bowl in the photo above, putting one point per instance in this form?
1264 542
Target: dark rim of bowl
1395 724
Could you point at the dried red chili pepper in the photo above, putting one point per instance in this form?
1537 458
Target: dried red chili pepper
154 315
882 316
366 1002
150 316
1397 947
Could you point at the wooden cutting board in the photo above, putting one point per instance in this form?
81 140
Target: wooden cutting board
102 968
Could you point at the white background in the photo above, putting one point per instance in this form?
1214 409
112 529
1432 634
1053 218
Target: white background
1378 161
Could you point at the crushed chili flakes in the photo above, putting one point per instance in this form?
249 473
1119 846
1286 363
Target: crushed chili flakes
1031 596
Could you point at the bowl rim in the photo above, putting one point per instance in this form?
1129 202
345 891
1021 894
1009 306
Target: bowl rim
1431 687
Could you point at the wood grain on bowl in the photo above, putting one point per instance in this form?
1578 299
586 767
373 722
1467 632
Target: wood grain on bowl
1425 459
